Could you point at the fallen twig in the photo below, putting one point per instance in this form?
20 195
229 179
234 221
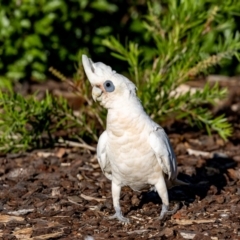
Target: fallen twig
74 144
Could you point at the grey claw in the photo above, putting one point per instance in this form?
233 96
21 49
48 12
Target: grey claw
121 218
165 211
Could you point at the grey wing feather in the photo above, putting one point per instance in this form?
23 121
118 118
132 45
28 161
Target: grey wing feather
163 150
102 156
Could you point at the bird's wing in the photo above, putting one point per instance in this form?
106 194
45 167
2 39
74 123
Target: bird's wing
102 156
162 148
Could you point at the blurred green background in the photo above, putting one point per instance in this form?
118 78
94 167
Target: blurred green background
38 34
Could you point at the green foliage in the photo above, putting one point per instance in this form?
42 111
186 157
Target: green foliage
37 34
186 41
27 123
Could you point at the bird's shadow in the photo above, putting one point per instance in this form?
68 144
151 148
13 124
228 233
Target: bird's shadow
210 175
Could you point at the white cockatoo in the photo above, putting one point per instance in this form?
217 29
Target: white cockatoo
133 151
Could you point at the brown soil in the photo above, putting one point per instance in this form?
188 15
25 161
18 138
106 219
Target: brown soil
62 193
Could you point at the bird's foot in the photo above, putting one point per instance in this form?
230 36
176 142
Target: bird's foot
166 212
120 217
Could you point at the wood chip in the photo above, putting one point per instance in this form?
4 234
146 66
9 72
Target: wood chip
190 221
45 154
48 236
21 212
56 192
140 231
24 233
198 153
79 177
74 200
89 198
67 164
137 218
60 152
95 166
8 218
88 238
187 234
234 174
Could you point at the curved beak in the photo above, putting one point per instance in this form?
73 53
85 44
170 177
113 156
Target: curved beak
89 69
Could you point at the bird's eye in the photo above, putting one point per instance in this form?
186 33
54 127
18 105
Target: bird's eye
109 86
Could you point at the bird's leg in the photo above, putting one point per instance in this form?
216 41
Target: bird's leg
116 190
163 193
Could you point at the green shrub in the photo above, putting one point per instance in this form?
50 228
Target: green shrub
27 122
188 39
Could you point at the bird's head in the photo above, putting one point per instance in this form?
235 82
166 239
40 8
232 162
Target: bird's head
108 87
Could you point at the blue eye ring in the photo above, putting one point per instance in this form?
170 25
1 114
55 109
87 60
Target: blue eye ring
109 86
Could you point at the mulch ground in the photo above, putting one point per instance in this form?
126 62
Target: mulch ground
61 193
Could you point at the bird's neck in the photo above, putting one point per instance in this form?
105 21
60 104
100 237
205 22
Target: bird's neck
126 108
128 115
